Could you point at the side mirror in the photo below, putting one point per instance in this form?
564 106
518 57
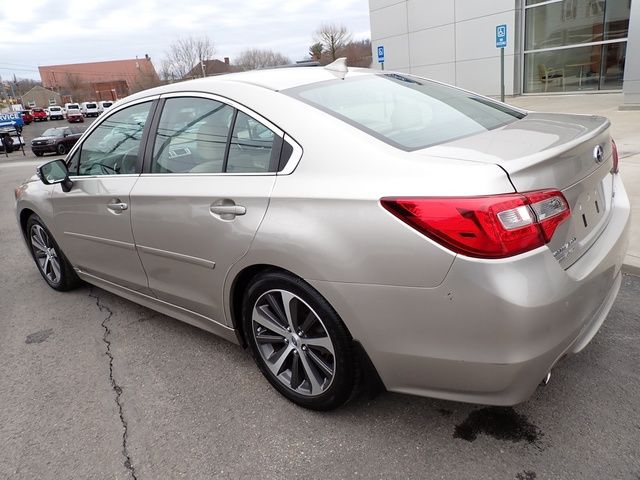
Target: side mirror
55 172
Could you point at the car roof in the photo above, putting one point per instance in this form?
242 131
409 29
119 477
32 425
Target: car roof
275 79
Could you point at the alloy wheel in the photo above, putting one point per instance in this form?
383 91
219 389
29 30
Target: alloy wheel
45 254
293 342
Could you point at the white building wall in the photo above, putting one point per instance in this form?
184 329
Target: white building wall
452 41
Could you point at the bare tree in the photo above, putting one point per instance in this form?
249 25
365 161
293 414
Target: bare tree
333 38
185 57
254 58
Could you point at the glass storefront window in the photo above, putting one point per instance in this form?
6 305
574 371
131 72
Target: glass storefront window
563 23
550 26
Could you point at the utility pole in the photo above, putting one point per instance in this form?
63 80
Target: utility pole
204 74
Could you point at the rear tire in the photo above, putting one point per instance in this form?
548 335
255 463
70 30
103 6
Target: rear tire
299 342
51 262
61 149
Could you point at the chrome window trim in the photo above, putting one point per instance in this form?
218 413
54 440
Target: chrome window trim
118 175
219 98
292 163
200 174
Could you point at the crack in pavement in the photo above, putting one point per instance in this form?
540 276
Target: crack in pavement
114 385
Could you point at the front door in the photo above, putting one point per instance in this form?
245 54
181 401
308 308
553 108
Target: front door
198 206
93 220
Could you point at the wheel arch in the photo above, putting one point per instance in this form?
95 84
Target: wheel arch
369 377
238 287
25 213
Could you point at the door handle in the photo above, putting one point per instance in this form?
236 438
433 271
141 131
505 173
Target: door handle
227 212
117 207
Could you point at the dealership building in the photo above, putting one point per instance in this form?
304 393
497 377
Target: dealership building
552 47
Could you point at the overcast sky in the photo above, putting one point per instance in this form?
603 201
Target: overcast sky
52 32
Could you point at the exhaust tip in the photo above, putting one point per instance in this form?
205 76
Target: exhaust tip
545 380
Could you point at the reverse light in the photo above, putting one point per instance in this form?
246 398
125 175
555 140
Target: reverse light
495 226
614 154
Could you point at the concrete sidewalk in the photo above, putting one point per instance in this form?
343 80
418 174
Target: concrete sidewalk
626 133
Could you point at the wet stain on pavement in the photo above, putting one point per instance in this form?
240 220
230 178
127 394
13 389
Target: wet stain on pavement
502 423
445 412
526 475
39 337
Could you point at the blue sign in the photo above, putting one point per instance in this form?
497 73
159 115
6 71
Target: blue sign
13 119
501 36
381 54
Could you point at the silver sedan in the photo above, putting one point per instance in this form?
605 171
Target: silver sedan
348 226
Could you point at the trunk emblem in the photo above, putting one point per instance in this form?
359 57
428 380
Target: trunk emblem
598 154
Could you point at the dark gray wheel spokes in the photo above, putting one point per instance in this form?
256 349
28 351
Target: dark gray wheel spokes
45 254
293 342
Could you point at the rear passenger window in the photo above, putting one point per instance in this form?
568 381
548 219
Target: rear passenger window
192 136
199 135
251 146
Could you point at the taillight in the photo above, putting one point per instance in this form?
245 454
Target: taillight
614 154
495 226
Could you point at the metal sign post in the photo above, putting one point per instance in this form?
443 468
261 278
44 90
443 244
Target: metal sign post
501 43
381 56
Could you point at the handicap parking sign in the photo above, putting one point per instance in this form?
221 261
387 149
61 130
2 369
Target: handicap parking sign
381 54
501 36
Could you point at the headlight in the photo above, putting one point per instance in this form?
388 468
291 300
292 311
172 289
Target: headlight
53 140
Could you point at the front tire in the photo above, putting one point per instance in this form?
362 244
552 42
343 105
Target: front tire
299 342
51 262
61 149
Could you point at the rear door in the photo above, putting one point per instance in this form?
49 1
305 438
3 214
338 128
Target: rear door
208 175
94 217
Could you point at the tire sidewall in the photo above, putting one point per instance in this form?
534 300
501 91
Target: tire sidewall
344 380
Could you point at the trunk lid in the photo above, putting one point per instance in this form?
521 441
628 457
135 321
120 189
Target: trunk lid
549 150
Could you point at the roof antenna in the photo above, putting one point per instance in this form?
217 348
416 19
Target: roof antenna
338 67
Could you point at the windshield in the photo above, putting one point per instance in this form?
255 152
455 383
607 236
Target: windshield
53 132
405 111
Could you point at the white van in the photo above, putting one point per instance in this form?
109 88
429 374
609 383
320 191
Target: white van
104 105
90 109
72 106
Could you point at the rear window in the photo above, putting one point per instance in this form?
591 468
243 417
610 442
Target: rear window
107 104
91 105
405 111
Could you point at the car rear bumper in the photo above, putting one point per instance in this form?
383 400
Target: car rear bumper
493 329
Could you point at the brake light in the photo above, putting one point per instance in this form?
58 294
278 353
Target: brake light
614 154
496 226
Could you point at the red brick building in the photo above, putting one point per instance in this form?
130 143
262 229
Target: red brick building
100 80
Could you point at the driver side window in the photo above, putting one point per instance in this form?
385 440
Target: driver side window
112 148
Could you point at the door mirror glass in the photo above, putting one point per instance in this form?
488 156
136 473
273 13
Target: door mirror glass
55 172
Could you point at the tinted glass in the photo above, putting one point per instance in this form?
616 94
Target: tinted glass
574 22
251 146
405 111
192 136
112 148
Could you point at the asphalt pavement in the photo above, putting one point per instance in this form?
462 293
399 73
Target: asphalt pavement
95 387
